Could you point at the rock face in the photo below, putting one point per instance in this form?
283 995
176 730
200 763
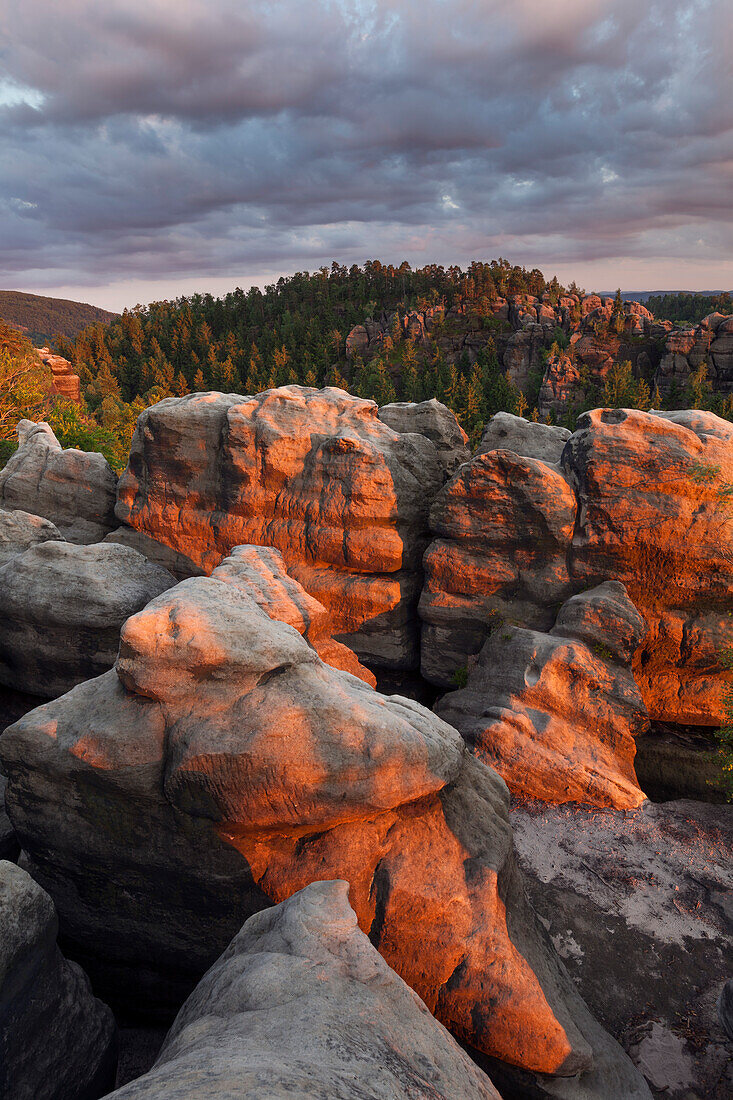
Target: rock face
56 1041
301 1004
260 572
502 528
641 498
314 474
237 768
158 553
557 714
506 432
61 609
65 382
434 420
20 530
74 489
638 905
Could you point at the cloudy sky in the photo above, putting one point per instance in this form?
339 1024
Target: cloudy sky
152 147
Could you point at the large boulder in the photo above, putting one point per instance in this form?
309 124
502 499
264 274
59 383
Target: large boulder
506 432
61 609
314 474
260 572
222 766
56 1041
158 553
301 1005
641 498
639 905
557 714
74 489
502 530
20 530
434 420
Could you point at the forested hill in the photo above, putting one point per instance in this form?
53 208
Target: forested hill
688 306
42 319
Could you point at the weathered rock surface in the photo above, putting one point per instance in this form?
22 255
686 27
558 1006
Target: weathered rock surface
314 474
434 420
557 714
639 906
301 1004
56 1041
65 382
260 572
645 499
74 489
503 527
158 553
61 609
9 847
20 530
506 432
236 768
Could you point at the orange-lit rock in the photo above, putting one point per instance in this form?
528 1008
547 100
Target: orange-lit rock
503 528
652 493
314 474
260 572
222 766
74 489
65 382
557 714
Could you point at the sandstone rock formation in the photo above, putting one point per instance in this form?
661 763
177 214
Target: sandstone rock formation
638 905
260 572
641 498
502 528
65 382
506 432
9 848
557 714
74 489
237 768
20 530
56 1041
301 1005
180 566
61 609
434 420
314 474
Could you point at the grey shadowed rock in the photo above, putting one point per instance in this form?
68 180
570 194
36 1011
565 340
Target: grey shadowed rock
9 847
74 489
506 432
158 553
61 609
725 1008
638 903
434 420
301 1004
56 1041
237 768
21 530
557 714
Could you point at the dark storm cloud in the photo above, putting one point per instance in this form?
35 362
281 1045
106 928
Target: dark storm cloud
161 138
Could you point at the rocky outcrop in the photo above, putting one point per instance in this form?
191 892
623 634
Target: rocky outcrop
506 432
641 498
557 714
158 553
686 349
74 489
9 848
65 382
434 420
56 1041
260 572
523 354
301 1004
237 768
314 474
61 609
638 905
20 530
503 527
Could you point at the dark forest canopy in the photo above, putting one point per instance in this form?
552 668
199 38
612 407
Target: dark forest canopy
688 306
42 319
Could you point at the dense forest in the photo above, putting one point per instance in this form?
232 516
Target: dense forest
43 319
688 306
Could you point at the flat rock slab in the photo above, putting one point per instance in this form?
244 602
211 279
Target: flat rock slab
639 905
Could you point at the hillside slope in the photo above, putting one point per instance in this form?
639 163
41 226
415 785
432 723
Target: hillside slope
43 318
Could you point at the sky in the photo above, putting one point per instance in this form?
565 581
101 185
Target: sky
150 148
